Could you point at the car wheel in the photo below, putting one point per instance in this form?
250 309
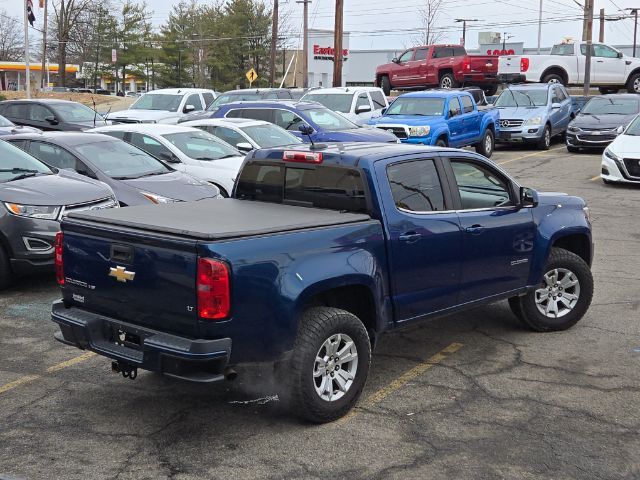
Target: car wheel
329 364
633 85
385 85
545 141
571 149
553 78
486 146
441 142
564 295
448 81
6 275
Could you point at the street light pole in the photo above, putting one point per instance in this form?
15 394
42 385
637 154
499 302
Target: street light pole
305 43
589 34
464 27
337 44
539 27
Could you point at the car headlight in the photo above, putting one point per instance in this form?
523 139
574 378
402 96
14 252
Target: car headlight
537 120
419 131
154 198
33 211
609 154
573 129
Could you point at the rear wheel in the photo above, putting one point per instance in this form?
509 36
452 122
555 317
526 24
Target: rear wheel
6 275
448 81
545 141
486 146
553 78
329 365
385 85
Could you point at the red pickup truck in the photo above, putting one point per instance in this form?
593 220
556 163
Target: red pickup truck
446 66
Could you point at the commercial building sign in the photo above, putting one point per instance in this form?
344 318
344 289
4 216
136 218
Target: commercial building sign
327 53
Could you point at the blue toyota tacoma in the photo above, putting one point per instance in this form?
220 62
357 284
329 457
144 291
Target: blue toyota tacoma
320 250
442 118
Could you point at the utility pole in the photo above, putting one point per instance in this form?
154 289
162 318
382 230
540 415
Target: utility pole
179 67
337 44
634 12
26 50
305 43
539 27
505 37
274 41
464 27
44 47
601 35
589 33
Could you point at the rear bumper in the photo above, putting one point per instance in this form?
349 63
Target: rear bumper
512 78
189 359
480 78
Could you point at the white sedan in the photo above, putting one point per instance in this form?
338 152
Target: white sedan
245 134
621 159
187 149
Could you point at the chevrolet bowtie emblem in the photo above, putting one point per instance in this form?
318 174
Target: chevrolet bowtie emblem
121 274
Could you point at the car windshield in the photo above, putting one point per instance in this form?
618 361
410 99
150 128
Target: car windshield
201 145
157 101
15 163
5 123
338 102
121 161
328 120
416 106
234 97
634 128
522 98
611 106
76 112
267 136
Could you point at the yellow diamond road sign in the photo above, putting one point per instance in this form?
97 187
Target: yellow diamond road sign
252 76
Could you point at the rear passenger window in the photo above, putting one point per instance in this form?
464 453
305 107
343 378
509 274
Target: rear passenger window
415 186
378 100
459 52
454 107
53 156
467 104
208 99
252 113
287 120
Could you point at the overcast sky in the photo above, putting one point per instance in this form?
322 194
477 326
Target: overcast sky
388 24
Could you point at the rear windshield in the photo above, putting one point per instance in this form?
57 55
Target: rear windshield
564 49
338 102
330 187
611 106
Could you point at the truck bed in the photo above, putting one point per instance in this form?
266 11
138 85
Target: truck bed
219 219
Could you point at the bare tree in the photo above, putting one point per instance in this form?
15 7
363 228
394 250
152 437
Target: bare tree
67 17
430 14
11 38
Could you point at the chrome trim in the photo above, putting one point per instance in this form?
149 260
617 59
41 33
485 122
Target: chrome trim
391 126
29 248
103 203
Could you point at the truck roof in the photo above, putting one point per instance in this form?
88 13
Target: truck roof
435 93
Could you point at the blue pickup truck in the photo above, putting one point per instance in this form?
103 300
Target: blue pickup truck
442 118
320 250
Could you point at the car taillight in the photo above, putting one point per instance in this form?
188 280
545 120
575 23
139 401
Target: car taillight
302 157
214 300
524 64
466 64
58 258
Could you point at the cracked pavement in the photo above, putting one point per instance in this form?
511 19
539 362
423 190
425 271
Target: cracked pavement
509 404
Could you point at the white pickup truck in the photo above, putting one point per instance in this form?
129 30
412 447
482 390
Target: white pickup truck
611 70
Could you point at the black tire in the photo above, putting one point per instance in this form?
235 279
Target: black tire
317 325
571 149
441 142
545 141
6 275
448 81
490 91
385 85
607 90
560 259
487 144
553 78
516 308
633 84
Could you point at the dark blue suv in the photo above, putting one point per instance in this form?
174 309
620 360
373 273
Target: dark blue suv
327 125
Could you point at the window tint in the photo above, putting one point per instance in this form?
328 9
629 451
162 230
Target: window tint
363 101
201 145
253 113
583 49
208 99
228 135
149 145
479 186
406 56
421 54
454 107
53 156
16 110
565 49
604 51
284 95
459 52
378 100
194 99
467 104
415 186
443 52
559 95
118 135
287 120
38 113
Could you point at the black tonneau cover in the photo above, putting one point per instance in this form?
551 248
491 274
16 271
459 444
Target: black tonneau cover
219 219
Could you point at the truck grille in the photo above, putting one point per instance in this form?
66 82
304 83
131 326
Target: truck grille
597 138
89 206
510 123
400 132
633 167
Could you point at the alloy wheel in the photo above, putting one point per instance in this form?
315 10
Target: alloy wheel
560 293
335 367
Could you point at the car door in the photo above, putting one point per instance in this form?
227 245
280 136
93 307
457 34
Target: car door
470 120
37 117
559 116
424 236
402 69
456 127
497 235
609 68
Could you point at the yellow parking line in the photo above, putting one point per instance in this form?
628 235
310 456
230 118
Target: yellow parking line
597 177
402 380
31 378
530 155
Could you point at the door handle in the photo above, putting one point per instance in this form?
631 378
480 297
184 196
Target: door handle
599 61
410 237
474 229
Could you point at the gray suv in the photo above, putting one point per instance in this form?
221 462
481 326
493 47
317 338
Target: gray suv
33 199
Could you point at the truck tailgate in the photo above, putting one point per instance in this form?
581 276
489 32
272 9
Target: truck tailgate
483 63
145 279
509 64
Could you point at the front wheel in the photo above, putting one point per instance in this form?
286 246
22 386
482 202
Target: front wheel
564 295
385 85
329 365
545 141
487 144
633 85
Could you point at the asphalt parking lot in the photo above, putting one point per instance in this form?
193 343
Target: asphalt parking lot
469 396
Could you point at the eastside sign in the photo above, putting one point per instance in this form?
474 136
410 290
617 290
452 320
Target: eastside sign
327 53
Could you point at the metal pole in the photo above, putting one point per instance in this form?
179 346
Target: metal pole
601 35
179 68
26 51
337 44
539 27
44 47
589 32
464 33
305 43
274 41
635 31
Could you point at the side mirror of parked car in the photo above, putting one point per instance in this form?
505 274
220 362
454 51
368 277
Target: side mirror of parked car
556 106
528 197
305 129
244 146
169 157
395 60
620 55
188 108
383 111
363 109
620 130
51 120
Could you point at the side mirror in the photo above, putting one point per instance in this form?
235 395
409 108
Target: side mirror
383 111
51 120
363 109
244 146
555 106
528 197
188 108
395 60
169 157
620 130
305 129
620 55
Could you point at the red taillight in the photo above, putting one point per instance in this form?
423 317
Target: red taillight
213 289
524 64
466 64
302 157
58 258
